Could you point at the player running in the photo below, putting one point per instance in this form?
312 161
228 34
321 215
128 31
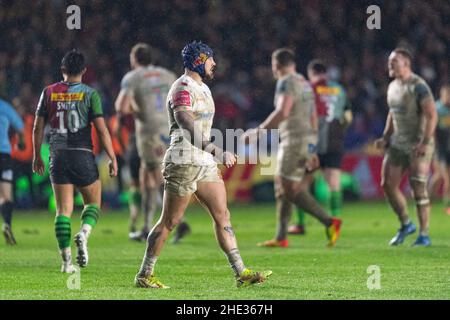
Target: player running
443 146
334 116
143 93
409 141
70 107
189 168
295 117
8 118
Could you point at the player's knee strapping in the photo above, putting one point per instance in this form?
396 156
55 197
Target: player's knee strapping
419 185
90 214
135 198
63 231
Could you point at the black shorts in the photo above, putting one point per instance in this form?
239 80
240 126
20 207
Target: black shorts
331 160
75 167
6 168
443 156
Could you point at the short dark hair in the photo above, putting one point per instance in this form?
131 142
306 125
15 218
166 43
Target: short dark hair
73 62
142 53
404 52
284 56
317 66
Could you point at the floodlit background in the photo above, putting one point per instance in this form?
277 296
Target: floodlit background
34 37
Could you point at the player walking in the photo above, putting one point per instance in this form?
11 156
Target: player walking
8 118
334 115
70 107
295 116
143 93
443 145
409 141
189 168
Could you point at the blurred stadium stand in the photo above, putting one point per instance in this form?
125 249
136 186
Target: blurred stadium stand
34 37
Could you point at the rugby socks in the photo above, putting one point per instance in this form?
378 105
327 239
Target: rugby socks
89 218
135 198
235 260
63 232
149 200
336 203
306 201
284 213
148 264
301 217
7 209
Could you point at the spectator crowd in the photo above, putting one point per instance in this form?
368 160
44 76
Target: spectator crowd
34 37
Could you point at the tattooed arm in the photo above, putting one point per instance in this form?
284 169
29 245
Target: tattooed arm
185 119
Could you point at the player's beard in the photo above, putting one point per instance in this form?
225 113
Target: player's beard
209 75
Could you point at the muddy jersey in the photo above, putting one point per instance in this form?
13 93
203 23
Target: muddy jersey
403 98
187 94
301 122
149 86
70 108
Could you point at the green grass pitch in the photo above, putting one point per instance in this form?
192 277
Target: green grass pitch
197 269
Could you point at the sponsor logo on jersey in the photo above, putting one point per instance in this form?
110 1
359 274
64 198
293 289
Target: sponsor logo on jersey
181 98
151 74
76 96
444 121
332 91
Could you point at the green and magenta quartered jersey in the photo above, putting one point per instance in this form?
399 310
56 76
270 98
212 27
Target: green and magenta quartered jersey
331 104
69 108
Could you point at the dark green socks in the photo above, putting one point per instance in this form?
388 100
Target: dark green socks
90 214
63 231
134 198
301 217
336 203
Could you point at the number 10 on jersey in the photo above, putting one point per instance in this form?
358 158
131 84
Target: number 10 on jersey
73 118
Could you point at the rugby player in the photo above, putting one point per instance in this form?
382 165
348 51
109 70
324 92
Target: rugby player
443 146
69 107
295 117
189 168
143 93
408 140
334 116
8 118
